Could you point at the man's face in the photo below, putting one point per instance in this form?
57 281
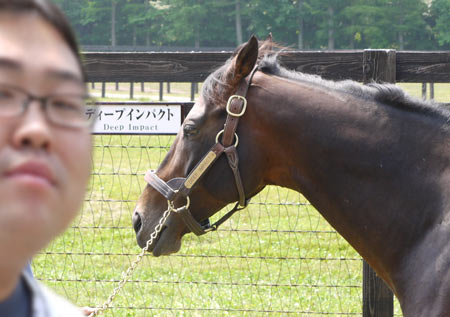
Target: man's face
44 168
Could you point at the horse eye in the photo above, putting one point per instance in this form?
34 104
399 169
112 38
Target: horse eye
189 130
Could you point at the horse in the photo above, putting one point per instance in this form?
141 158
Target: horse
372 160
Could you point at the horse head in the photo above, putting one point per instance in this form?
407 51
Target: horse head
216 186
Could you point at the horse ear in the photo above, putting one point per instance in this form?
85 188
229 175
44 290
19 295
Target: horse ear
267 45
246 58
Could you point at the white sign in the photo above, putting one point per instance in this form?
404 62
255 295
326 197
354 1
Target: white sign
136 119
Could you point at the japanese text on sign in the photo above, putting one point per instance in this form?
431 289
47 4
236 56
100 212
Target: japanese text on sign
136 119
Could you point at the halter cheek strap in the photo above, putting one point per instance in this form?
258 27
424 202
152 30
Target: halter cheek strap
182 187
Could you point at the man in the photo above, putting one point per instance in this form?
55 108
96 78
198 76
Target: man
45 148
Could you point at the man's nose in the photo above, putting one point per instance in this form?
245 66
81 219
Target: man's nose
33 129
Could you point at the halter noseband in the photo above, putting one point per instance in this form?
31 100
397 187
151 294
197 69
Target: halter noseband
182 187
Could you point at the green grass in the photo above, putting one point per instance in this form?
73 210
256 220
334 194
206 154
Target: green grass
274 263
178 92
278 256
181 91
441 91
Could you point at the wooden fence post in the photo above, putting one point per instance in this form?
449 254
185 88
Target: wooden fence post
192 91
132 90
103 89
161 91
378 300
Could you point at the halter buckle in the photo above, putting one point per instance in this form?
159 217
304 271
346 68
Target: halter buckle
244 107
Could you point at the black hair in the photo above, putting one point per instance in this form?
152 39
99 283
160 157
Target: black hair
53 15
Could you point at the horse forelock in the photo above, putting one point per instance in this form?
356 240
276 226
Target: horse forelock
215 86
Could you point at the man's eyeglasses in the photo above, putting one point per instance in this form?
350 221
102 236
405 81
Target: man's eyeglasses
67 110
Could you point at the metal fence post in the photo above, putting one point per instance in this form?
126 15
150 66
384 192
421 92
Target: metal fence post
378 300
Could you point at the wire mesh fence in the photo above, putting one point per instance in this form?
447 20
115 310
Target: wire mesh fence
277 256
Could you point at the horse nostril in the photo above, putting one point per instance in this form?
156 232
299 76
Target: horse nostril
137 221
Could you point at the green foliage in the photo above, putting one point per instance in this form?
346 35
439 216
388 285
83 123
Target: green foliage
198 22
440 11
276 17
342 24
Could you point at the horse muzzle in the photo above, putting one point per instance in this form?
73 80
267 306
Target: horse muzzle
167 241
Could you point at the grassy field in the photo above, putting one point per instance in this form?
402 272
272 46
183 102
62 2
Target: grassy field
276 257
181 91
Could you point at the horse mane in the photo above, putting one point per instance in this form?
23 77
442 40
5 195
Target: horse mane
217 86
388 94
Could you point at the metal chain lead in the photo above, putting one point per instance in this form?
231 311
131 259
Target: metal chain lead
127 274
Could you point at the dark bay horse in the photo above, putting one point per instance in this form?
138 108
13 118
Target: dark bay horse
372 160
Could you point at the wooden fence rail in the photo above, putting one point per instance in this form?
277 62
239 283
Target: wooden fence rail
363 65
194 67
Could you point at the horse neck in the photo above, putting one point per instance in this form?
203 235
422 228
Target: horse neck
367 168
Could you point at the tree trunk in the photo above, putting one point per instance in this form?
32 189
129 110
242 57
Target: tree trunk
401 41
134 36
113 23
147 37
197 36
300 25
330 28
238 23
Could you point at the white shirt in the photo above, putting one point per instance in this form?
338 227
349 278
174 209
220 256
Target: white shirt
45 303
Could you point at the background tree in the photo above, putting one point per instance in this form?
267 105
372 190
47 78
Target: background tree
300 23
99 17
276 17
368 23
408 22
138 19
238 18
200 22
440 13
306 24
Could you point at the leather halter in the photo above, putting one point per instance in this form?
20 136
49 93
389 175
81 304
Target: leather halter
182 187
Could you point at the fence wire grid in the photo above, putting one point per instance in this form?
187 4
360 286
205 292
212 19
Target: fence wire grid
277 256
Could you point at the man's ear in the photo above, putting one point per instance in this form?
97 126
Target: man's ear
246 58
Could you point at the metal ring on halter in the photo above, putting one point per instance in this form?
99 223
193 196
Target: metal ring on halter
171 206
235 135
